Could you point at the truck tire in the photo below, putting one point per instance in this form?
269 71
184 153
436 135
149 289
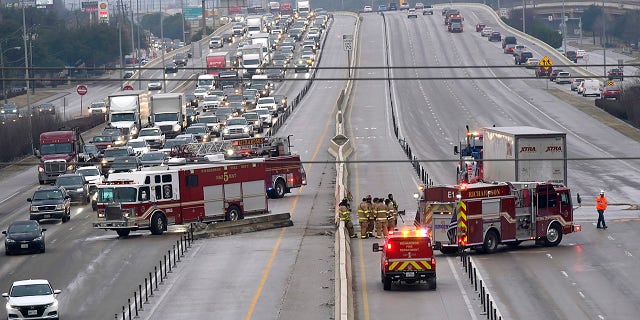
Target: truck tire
431 282
554 236
279 189
123 232
386 284
490 242
233 213
158 224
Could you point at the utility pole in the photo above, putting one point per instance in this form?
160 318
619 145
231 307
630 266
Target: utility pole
604 41
524 7
564 29
164 73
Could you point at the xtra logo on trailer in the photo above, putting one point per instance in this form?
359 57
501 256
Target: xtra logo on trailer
527 149
553 149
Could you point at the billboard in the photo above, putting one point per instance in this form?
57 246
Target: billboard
90 6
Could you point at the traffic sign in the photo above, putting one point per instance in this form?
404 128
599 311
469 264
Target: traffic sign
127 87
81 89
546 63
347 42
610 83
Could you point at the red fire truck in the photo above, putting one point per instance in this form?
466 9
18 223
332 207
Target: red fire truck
284 170
198 192
483 215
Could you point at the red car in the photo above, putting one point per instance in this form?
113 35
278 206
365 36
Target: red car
480 26
611 92
509 48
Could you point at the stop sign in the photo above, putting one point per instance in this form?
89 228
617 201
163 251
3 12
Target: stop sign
127 87
81 90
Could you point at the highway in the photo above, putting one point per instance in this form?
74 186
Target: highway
288 273
591 274
275 274
97 271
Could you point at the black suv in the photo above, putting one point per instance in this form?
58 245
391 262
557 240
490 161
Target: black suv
180 59
522 57
50 202
572 55
76 185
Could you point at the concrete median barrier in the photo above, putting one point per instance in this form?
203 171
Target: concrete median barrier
252 224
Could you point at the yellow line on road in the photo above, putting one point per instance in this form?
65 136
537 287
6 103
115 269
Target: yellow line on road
274 251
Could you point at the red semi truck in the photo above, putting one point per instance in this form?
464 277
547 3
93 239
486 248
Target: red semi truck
58 152
218 61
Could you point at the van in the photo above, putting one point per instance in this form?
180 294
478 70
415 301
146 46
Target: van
591 87
509 40
407 256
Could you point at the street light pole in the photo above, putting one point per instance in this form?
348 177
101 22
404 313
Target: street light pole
524 6
604 41
164 73
4 89
564 29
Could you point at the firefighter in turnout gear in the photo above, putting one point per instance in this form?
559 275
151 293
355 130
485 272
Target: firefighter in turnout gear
363 217
394 203
381 218
344 212
371 215
392 215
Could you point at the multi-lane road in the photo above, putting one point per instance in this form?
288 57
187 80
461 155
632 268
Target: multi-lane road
288 273
590 275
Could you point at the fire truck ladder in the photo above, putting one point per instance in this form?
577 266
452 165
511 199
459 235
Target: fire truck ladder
207 148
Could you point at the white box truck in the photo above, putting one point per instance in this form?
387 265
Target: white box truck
254 25
252 59
167 112
538 154
124 112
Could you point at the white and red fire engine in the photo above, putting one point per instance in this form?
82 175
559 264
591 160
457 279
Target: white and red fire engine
483 215
155 199
284 170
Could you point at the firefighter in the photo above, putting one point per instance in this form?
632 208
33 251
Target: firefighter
392 215
393 201
601 206
344 212
363 217
381 218
371 216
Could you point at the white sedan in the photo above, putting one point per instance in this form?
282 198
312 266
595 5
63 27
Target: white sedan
367 9
486 31
154 85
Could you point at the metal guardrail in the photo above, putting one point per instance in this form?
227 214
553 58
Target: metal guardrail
489 306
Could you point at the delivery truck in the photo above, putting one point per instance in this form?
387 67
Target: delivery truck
124 112
167 112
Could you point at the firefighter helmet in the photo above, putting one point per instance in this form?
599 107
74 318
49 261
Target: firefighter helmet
601 191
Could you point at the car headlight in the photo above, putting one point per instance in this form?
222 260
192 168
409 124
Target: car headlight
245 129
33 209
111 171
134 130
100 214
36 239
9 240
104 162
40 169
60 206
108 146
176 128
79 190
226 130
70 167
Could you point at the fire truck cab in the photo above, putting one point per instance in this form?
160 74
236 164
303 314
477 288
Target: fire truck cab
485 215
407 256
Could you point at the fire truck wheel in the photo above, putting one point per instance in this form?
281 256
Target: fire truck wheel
234 213
158 224
490 242
123 232
431 282
280 189
386 284
554 236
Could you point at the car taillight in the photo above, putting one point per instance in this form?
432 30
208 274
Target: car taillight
389 247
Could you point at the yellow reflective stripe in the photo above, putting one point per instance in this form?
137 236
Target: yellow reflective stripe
381 219
418 265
